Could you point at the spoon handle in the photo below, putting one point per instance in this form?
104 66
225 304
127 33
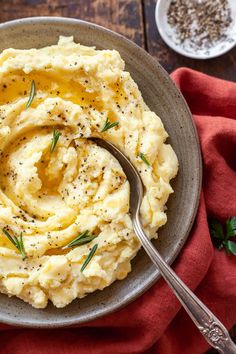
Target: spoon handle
208 324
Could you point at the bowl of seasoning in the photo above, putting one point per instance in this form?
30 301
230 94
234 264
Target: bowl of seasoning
199 29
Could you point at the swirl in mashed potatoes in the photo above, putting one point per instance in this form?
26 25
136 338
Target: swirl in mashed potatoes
51 197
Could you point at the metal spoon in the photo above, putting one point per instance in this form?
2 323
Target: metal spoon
211 328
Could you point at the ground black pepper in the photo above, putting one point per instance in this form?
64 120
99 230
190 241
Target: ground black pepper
201 22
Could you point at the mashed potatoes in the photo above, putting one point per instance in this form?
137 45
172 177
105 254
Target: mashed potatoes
50 197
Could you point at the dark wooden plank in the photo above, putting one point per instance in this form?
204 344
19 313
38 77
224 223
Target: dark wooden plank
123 16
224 66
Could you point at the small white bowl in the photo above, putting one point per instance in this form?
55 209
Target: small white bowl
168 34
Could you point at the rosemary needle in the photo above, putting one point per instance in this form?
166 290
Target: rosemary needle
143 157
56 135
108 125
80 240
89 257
17 242
32 94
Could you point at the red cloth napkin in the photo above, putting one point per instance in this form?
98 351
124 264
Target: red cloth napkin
156 323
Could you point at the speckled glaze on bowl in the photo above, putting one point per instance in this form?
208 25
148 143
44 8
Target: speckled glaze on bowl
163 97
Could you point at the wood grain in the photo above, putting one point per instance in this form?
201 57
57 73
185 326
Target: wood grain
224 66
123 16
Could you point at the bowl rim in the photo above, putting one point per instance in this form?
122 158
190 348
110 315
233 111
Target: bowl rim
156 275
177 48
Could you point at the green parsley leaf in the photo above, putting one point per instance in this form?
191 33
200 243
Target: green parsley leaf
55 137
230 247
222 233
143 157
216 229
80 240
17 242
89 257
32 94
231 227
108 125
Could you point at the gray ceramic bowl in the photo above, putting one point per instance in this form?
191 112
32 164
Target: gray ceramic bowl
162 97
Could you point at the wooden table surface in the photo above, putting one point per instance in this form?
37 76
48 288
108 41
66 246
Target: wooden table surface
135 19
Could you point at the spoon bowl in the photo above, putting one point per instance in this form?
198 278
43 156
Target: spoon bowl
136 185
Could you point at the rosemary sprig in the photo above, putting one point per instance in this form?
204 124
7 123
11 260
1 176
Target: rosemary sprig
17 242
32 94
108 125
80 240
143 157
89 257
56 135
